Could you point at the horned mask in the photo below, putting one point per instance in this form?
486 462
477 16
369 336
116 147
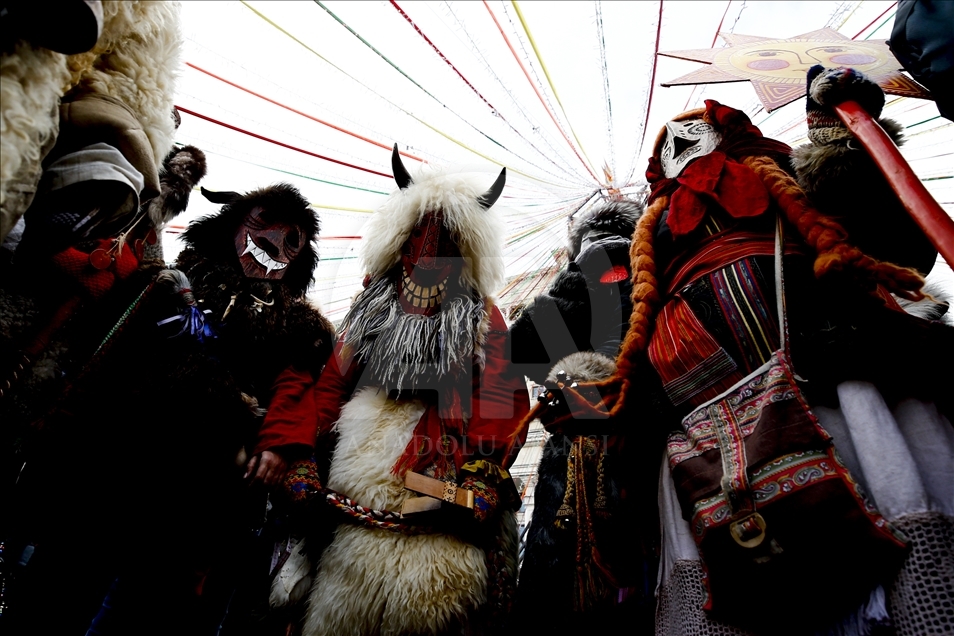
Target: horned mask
431 257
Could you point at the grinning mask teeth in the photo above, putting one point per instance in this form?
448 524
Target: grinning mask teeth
685 141
429 257
266 248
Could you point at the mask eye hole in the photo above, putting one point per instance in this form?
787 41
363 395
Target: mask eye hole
293 238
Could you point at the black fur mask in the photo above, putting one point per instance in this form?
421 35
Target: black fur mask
213 236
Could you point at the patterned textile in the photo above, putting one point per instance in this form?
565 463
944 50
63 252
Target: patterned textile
746 310
690 360
301 482
486 499
719 323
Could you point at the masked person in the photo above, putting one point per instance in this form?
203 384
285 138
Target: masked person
425 408
165 418
580 550
843 507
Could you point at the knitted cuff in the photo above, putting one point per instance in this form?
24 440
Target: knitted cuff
301 482
828 87
486 499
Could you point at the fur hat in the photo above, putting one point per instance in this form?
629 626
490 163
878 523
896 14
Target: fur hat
476 227
213 236
613 218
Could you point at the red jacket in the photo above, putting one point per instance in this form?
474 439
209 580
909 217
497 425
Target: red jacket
302 410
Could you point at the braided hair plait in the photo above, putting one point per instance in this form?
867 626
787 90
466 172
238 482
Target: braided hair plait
827 236
645 293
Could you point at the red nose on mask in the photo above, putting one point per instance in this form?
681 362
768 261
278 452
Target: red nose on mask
429 257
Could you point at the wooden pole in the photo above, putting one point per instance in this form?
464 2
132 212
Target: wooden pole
929 215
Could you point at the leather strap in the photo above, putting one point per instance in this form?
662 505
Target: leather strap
445 491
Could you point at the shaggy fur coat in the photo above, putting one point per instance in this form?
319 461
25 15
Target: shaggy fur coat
375 581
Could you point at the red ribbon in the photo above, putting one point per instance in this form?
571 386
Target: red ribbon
715 178
718 177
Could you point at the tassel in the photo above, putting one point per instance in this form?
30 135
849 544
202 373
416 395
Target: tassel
192 318
600 503
566 514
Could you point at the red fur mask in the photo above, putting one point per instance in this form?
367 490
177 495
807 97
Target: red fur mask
429 257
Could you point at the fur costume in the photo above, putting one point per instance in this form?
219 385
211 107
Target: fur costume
187 377
134 61
114 116
867 366
581 311
589 300
181 171
444 411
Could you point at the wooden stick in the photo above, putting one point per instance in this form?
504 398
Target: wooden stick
927 213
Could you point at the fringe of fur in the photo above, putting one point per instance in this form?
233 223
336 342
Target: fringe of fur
818 167
479 233
136 60
411 351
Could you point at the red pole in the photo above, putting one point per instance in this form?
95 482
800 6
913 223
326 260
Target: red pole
929 215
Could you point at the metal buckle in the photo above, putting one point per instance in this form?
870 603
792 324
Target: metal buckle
749 531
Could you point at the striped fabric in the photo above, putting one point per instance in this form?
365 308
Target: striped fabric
700 355
686 356
744 308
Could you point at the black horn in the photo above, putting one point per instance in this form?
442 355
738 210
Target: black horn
222 198
490 197
401 175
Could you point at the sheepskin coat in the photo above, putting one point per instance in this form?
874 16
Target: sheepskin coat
373 581
135 61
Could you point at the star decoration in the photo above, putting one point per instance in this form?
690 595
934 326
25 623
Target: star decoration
777 68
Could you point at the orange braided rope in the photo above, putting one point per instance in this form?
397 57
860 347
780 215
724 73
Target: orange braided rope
828 238
645 292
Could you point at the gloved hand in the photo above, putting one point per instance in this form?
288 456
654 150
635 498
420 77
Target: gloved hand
829 87
301 481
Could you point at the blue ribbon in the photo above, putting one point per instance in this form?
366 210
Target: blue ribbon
194 324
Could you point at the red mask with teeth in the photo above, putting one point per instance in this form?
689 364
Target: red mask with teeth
266 248
429 257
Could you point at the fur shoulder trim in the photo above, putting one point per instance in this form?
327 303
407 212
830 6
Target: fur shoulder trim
816 165
479 232
584 366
